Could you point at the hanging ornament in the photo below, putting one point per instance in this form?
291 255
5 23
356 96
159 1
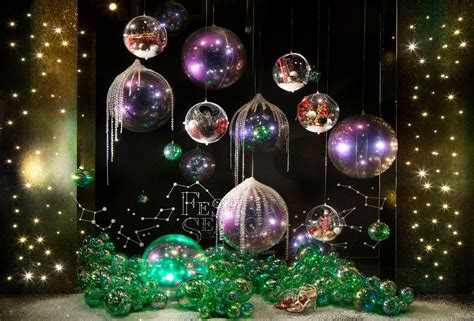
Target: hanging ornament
213 58
291 72
173 16
172 151
145 37
314 75
379 231
323 223
172 259
252 217
82 177
258 125
197 165
318 113
362 146
142 198
139 100
206 122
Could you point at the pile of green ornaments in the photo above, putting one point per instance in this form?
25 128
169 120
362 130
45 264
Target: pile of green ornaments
113 280
225 289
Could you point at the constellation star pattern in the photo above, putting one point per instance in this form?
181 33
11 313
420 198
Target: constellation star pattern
367 199
92 220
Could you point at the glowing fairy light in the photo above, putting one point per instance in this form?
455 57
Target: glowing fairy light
412 46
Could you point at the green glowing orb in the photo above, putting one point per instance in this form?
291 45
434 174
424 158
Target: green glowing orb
172 259
379 231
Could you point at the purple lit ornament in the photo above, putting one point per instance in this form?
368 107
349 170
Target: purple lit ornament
362 146
197 165
173 16
252 217
140 99
213 57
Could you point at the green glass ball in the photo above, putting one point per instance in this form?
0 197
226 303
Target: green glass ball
118 303
172 151
82 177
158 300
244 289
336 296
233 311
379 231
366 299
404 307
94 297
246 310
204 312
406 295
323 298
388 289
260 133
171 260
391 306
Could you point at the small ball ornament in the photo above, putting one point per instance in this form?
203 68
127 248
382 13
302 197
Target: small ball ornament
323 223
118 302
391 306
82 177
145 37
172 151
206 122
318 113
197 165
406 295
173 16
291 72
379 231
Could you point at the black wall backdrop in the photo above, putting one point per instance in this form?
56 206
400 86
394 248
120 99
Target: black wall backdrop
140 165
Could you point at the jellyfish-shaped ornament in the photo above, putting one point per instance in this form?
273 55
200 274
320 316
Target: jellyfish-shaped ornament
258 126
252 217
140 100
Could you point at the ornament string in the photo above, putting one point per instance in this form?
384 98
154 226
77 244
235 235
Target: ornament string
380 105
318 35
363 56
291 25
327 91
213 13
254 69
205 84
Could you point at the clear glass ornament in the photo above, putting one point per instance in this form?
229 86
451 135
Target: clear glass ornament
252 217
173 16
140 100
197 165
258 125
324 223
318 113
291 72
145 37
206 122
362 146
213 58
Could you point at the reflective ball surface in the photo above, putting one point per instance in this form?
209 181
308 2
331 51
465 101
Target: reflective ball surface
145 37
213 57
